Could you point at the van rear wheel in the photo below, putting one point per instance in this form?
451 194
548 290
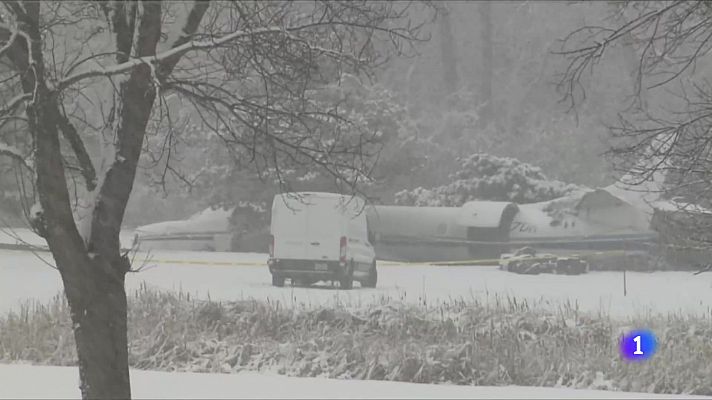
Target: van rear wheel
277 280
372 278
347 280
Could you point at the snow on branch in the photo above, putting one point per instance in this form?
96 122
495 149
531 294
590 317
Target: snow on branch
14 103
176 51
169 55
15 154
10 41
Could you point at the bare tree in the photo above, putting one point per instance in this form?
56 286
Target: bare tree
94 82
667 141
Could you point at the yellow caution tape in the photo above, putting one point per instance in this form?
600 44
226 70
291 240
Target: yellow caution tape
262 264
243 263
478 262
202 262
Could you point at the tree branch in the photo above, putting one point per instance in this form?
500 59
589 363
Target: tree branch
10 41
192 45
158 58
192 22
14 103
14 154
122 23
87 167
13 49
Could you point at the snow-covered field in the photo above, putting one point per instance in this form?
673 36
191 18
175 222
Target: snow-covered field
21 382
232 276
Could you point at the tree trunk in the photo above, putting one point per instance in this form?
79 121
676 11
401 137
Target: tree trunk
94 287
99 314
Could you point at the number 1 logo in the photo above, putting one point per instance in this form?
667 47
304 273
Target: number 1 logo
638 345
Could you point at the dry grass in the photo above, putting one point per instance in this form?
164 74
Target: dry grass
503 342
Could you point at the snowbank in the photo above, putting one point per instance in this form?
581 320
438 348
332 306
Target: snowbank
21 382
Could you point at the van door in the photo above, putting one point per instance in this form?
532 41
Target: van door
360 249
324 228
289 223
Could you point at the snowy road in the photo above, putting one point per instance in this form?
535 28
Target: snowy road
231 276
61 383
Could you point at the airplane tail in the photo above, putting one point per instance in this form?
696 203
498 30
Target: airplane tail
644 183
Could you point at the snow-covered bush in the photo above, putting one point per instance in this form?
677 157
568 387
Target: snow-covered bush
487 177
502 342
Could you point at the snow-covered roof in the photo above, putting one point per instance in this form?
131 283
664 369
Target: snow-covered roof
600 198
314 194
208 220
483 214
302 197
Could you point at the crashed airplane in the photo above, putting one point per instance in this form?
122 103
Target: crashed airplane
610 218
600 219
616 217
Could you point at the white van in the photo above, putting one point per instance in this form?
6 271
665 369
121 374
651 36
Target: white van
320 237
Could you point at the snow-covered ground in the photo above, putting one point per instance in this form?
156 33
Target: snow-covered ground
24 236
34 382
232 276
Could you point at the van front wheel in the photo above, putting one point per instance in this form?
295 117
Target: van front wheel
277 280
347 280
